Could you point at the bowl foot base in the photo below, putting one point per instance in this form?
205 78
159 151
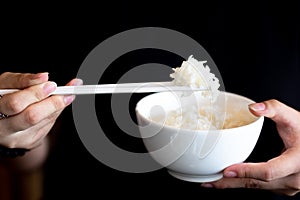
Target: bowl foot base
196 178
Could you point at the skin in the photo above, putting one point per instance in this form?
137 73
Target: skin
32 112
280 174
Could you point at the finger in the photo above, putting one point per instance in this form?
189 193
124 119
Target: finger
31 137
278 167
21 80
285 117
37 112
43 128
288 185
16 102
243 183
75 82
238 183
40 131
275 110
287 192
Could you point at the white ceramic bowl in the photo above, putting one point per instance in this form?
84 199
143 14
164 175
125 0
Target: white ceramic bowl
197 155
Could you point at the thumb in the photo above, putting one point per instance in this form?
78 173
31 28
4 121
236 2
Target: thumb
275 168
247 170
21 80
275 110
285 117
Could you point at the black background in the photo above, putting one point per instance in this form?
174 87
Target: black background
254 44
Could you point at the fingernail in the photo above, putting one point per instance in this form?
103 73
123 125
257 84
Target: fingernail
49 87
40 75
230 174
257 106
207 185
77 82
69 99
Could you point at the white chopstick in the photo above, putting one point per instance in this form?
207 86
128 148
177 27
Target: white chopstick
116 88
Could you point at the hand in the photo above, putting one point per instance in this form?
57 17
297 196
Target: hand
280 174
32 111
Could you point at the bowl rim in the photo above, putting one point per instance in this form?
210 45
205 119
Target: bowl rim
257 119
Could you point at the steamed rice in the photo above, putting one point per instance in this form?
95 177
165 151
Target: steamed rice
208 118
195 74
